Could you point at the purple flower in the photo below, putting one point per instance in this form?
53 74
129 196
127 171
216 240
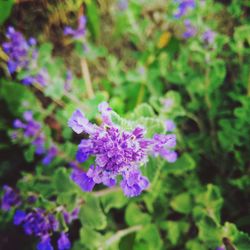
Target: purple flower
190 30
133 183
63 242
68 81
32 129
23 56
221 248
82 180
168 103
17 50
79 33
52 152
116 152
19 217
208 36
69 217
45 244
169 125
36 222
10 198
183 7
122 5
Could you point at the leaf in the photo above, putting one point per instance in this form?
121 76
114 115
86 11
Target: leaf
212 201
151 236
113 200
62 182
209 233
175 229
143 110
93 19
90 238
91 214
135 216
5 9
182 203
184 163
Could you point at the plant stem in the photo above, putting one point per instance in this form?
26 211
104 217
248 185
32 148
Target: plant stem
141 94
105 191
86 76
121 233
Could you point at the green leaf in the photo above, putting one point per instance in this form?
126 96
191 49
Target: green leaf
90 238
175 229
134 216
93 19
212 201
184 163
182 203
143 110
209 232
113 200
5 9
91 214
150 235
62 182
29 154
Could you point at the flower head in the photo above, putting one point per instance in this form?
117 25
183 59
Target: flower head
79 33
190 30
36 222
51 153
183 7
117 152
10 198
63 242
170 125
208 36
45 244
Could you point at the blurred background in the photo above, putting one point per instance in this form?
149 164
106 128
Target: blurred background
187 60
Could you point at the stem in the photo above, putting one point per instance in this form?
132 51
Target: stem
141 94
157 174
86 76
105 191
121 233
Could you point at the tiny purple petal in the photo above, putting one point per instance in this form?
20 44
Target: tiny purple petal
82 180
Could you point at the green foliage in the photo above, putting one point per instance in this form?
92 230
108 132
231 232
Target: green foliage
138 61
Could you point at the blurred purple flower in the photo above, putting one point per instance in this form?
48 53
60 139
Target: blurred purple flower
50 154
36 222
68 81
169 125
79 33
183 7
116 151
45 244
17 50
10 198
208 36
190 30
23 56
63 242
122 5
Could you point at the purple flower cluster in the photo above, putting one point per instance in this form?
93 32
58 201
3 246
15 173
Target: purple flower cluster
41 224
183 7
208 36
117 152
170 125
79 33
190 30
23 56
32 129
10 198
